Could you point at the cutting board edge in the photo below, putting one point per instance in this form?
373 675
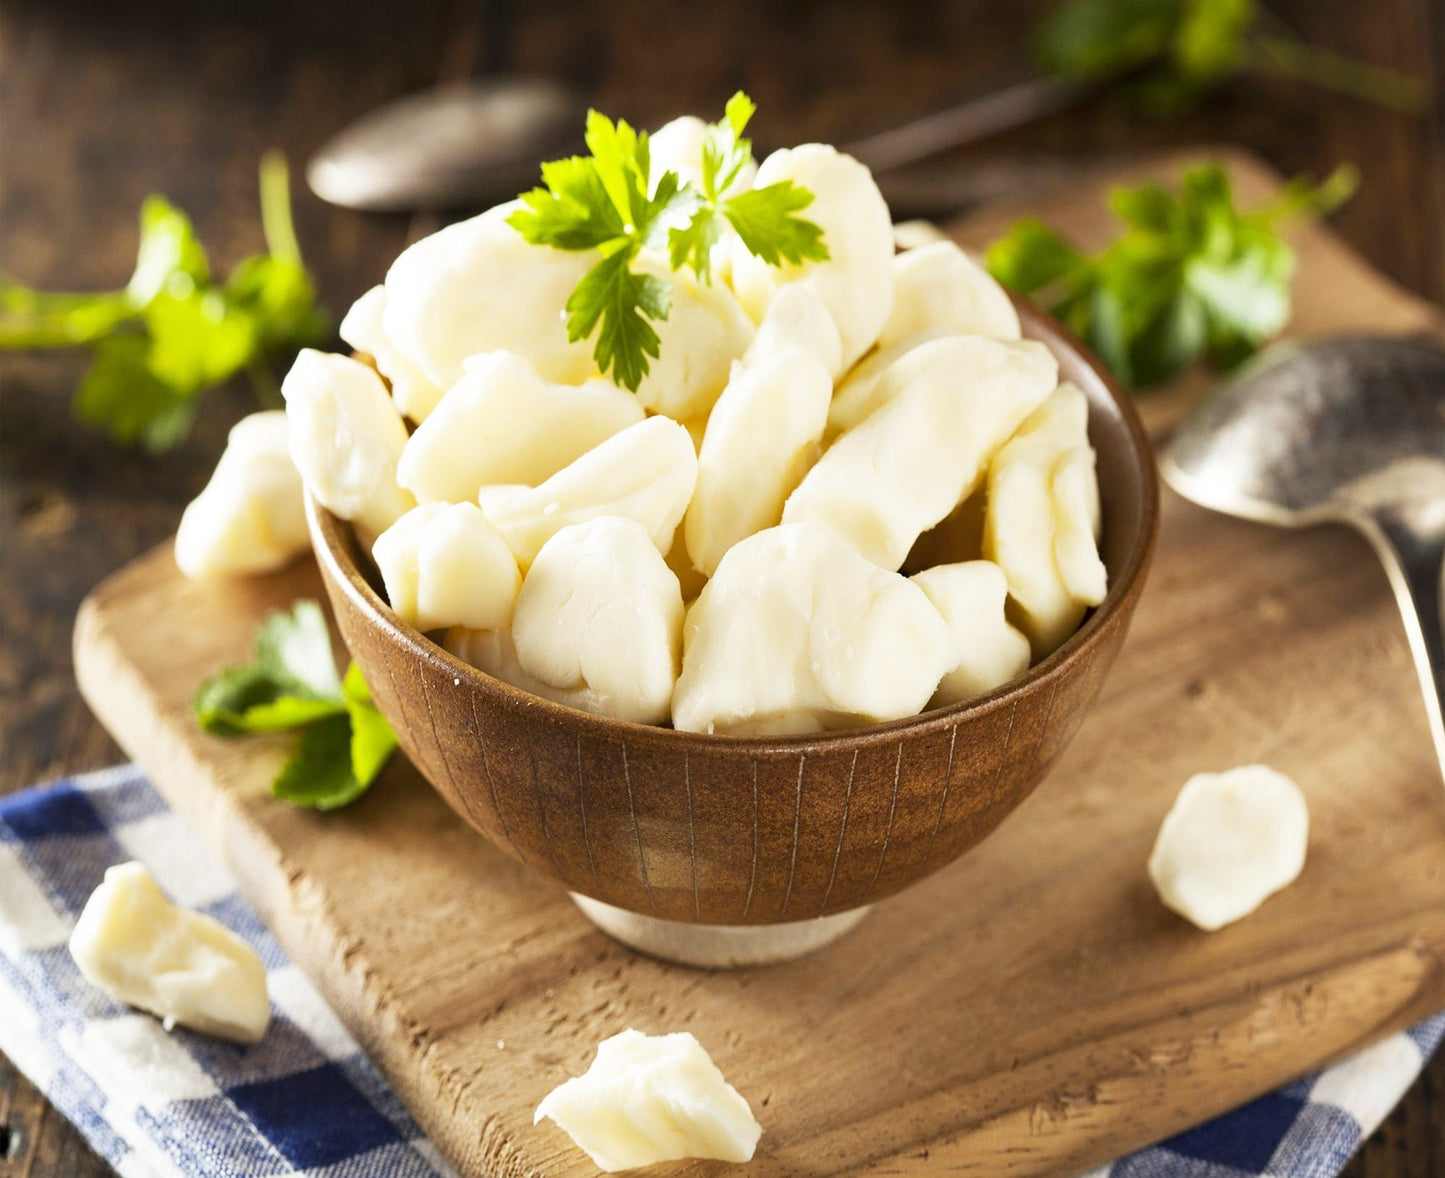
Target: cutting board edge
285 900
301 922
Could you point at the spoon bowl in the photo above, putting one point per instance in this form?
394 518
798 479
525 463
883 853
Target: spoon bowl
441 148
1350 430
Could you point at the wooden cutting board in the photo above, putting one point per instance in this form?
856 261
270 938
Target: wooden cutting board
1031 1009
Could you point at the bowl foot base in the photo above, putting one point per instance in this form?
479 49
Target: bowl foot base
717 946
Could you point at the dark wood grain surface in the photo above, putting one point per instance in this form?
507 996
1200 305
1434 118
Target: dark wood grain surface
101 103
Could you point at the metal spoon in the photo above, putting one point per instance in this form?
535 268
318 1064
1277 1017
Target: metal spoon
1348 430
470 144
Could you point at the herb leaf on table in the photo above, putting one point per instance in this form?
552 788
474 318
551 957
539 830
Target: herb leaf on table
1178 50
291 684
173 332
1192 276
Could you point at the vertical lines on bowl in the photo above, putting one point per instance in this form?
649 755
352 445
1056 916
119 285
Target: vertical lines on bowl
491 781
797 819
892 811
757 821
431 719
542 809
582 812
842 833
1003 748
691 835
943 799
637 830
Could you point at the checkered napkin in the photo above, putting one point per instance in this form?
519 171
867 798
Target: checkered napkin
306 1101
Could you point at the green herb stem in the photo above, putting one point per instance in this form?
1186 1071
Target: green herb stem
276 223
1334 71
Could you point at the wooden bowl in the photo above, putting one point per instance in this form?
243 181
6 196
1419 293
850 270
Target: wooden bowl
751 830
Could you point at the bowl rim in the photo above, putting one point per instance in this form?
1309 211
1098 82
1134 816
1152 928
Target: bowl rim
330 543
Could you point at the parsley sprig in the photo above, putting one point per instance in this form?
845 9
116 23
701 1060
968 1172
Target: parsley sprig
1192 275
604 202
175 331
1175 51
291 684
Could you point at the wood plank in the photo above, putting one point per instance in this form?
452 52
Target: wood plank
1031 1009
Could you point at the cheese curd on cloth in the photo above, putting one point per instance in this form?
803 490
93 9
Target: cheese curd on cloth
917 457
413 391
856 282
181 966
600 617
1230 841
502 423
1041 524
796 632
345 438
477 286
444 565
647 473
649 1099
251 517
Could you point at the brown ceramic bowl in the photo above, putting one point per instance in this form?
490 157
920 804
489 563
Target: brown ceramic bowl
739 830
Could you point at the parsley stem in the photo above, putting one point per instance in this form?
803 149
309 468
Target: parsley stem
1346 75
276 222
263 383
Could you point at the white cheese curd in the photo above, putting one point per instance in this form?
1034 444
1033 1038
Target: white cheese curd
797 320
412 390
1042 520
856 282
919 455
796 632
478 286
704 332
1230 841
653 1098
493 652
874 379
939 285
647 473
181 966
251 517
346 436
600 617
988 652
761 439
677 147
443 564
502 423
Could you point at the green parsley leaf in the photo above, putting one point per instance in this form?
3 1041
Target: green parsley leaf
607 202
173 332
372 740
623 302
295 649
320 774
725 153
763 218
292 684
1192 276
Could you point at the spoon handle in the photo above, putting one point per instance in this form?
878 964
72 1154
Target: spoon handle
1410 540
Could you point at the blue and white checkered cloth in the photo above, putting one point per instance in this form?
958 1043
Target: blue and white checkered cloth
305 1100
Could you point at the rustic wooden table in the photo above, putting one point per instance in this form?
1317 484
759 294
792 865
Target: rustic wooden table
107 100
